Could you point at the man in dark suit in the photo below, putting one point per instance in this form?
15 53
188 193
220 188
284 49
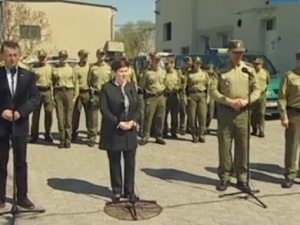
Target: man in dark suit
18 98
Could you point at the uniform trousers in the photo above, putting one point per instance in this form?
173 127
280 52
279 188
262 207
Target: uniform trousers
115 170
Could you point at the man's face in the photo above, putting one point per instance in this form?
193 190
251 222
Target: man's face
257 66
101 56
155 62
11 56
42 59
169 66
236 56
63 58
188 64
83 57
298 63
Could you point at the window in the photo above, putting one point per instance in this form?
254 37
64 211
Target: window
168 31
185 50
271 24
167 50
30 32
224 40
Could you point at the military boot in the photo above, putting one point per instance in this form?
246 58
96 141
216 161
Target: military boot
48 137
61 144
160 140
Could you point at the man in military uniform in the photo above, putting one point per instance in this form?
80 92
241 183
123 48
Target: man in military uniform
100 73
173 87
230 89
81 71
289 109
259 107
186 68
43 72
211 102
65 91
153 85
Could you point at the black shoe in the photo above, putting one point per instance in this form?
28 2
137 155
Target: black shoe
182 132
61 144
223 185
261 134
254 133
116 198
74 136
195 139
202 140
287 183
48 138
160 141
91 144
143 142
243 186
25 203
174 136
67 145
2 204
33 139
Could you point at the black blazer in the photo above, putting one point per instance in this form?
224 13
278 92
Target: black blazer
25 100
113 112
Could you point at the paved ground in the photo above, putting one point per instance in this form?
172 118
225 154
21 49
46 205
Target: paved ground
73 184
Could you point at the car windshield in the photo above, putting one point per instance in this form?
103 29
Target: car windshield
250 58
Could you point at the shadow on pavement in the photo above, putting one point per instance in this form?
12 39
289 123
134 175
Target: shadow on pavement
178 175
266 167
79 187
255 175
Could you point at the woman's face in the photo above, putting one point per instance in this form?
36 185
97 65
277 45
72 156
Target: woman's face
122 74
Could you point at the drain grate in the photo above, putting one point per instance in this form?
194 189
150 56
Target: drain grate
125 210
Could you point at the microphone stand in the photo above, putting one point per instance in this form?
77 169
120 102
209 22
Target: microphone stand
249 192
14 209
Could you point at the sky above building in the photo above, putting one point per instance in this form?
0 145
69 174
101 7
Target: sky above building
130 10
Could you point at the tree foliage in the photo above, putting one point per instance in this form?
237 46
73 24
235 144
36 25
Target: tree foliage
138 37
17 15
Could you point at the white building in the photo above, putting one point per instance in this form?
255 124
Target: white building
191 26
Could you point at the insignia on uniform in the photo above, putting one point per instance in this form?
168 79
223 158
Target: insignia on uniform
238 44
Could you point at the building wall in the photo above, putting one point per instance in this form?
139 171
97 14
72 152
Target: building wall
76 26
215 18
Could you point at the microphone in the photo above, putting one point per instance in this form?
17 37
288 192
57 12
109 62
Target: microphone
245 70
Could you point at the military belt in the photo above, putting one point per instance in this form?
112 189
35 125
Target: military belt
293 109
43 88
64 88
232 109
83 91
196 91
157 94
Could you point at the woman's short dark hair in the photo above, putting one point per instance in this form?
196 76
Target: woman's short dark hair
118 64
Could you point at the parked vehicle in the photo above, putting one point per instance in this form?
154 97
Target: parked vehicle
218 57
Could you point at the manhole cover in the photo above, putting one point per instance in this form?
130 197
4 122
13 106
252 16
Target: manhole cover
141 210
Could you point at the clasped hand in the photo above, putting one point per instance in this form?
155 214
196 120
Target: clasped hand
238 103
126 125
7 114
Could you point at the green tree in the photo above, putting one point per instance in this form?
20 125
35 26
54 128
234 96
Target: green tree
137 37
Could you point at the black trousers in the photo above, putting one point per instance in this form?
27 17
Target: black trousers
115 170
20 152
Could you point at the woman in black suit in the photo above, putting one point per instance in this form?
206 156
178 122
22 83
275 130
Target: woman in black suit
120 113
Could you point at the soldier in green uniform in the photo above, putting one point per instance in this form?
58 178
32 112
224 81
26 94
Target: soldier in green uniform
259 107
43 72
153 85
81 71
65 91
99 74
211 102
230 89
173 88
186 68
197 87
289 109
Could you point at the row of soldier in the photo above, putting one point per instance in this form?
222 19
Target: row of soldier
179 93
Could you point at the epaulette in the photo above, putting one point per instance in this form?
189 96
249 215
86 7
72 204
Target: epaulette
290 72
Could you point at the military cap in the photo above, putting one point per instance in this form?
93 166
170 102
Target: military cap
154 55
100 51
42 53
63 53
258 61
298 55
236 46
197 60
83 52
187 59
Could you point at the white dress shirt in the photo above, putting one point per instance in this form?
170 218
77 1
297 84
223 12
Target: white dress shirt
10 81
